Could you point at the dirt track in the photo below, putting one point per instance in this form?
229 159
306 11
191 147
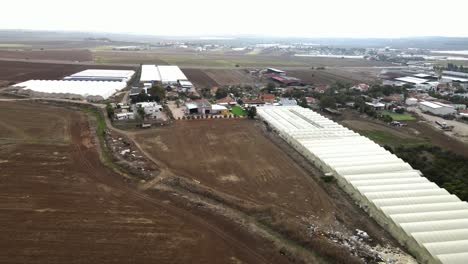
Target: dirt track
60 205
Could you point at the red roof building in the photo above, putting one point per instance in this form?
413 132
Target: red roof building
226 101
322 88
362 87
267 98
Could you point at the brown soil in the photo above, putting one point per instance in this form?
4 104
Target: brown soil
23 71
61 205
199 78
63 55
246 167
330 76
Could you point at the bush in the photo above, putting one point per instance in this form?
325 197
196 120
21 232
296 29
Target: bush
400 111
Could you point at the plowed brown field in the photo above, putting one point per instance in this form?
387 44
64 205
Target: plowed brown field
59 204
64 55
18 71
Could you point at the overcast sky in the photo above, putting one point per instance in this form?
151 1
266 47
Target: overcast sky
300 18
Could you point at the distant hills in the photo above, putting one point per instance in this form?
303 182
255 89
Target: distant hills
436 43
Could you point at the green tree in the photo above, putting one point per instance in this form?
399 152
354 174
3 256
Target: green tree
221 93
110 111
303 102
327 102
252 112
157 92
141 113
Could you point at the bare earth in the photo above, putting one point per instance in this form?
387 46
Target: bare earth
59 204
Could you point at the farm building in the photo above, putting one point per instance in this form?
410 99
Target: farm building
376 105
198 107
267 98
253 102
411 101
185 85
150 74
437 108
287 102
275 71
102 75
125 116
362 87
311 100
286 80
67 89
227 101
411 80
164 74
171 75
152 109
430 222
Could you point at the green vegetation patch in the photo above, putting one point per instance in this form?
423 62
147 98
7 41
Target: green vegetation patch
399 117
386 138
238 111
445 168
13 45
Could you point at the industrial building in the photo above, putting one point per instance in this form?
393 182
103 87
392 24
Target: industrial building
150 74
164 74
437 108
102 75
430 222
99 90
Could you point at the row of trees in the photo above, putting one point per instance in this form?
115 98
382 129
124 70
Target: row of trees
445 168
155 94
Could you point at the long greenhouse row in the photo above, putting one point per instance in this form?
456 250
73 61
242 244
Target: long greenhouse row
429 221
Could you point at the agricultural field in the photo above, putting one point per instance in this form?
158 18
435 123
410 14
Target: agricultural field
20 71
59 204
243 166
330 76
218 77
80 55
210 60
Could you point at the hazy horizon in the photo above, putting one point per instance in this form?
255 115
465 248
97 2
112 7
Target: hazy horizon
296 18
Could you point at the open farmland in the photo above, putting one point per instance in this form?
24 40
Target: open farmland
248 168
19 71
59 55
207 60
329 76
218 77
59 204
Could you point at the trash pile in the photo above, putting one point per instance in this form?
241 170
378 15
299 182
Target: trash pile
129 157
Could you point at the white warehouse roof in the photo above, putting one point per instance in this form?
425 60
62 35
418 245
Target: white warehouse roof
122 75
150 73
171 73
83 88
432 223
412 80
434 105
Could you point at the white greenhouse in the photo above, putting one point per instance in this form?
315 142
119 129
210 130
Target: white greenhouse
429 221
81 88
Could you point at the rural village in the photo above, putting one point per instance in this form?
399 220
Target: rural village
348 156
